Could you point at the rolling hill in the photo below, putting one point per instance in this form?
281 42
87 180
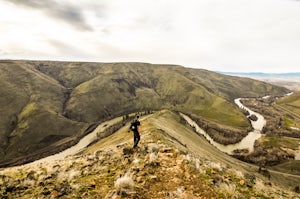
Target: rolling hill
45 104
288 80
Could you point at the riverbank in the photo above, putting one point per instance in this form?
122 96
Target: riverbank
279 143
50 150
243 143
75 145
68 146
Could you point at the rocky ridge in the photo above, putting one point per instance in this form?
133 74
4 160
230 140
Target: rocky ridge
162 167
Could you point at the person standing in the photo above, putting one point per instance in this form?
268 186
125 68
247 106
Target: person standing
135 127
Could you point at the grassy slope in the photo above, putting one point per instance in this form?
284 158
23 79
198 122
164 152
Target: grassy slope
35 104
172 161
232 87
290 110
165 125
150 88
13 98
291 102
138 86
31 110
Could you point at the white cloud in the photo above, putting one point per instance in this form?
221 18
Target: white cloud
232 35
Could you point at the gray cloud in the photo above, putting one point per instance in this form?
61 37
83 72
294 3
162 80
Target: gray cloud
67 50
66 13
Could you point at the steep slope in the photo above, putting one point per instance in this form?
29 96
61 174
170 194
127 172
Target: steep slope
69 74
169 164
31 111
136 88
289 109
44 102
291 103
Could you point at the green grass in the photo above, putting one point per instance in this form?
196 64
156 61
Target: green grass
292 166
29 108
286 142
288 122
291 102
272 141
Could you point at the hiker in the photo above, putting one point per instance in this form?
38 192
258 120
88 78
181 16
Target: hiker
135 127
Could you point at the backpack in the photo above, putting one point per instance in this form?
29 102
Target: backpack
132 126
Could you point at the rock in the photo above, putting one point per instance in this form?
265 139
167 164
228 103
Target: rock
242 182
153 177
139 179
166 150
142 166
152 147
54 194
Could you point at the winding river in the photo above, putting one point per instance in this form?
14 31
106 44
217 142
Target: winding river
83 143
246 143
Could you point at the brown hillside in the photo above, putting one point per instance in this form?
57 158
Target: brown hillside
43 102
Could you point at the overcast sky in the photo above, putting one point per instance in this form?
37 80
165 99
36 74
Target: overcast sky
231 35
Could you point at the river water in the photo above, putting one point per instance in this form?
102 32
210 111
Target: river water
246 143
84 142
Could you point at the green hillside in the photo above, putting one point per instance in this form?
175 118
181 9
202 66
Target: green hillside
291 102
43 101
289 108
31 110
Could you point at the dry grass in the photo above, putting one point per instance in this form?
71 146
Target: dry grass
42 99
104 171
